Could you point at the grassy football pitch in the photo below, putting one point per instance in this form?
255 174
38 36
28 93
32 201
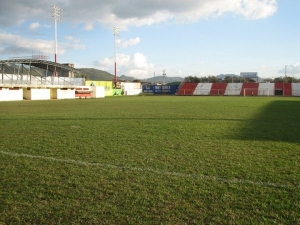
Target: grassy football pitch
151 160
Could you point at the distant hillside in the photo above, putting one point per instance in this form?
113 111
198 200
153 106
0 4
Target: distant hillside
100 75
94 74
160 79
126 78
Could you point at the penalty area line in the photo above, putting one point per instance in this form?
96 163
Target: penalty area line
149 170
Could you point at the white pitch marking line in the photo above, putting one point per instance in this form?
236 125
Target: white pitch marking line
166 173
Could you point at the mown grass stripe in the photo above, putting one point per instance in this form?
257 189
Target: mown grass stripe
163 173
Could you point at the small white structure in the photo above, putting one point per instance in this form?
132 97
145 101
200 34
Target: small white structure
62 93
11 94
36 93
131 88
98 91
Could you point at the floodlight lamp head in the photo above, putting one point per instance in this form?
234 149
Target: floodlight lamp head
116 31
56 12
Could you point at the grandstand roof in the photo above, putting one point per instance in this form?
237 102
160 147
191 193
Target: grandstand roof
42 64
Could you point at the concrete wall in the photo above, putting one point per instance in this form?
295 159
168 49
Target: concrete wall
108 86
62 93
11 94
131 88
98 91
133 92
36 93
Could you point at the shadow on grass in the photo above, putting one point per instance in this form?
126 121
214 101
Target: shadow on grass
278 121
136 118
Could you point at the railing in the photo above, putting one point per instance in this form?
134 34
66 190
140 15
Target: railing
41 57
219 92
14 79
200 91
239 92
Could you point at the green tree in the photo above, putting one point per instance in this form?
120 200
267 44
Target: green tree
290 80
212 79
278 80
191 79
268 80
286 80
232 79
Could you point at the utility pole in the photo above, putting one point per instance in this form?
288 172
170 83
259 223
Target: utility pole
164 76
285 72
116 33
3 69
284 80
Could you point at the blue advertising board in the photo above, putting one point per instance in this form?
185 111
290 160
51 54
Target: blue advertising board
147 88
165 89
160 89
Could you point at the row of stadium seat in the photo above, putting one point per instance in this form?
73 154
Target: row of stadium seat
242 89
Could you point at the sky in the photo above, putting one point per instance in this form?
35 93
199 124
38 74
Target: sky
181 37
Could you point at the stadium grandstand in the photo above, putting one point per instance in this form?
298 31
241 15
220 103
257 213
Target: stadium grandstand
37 78
240 89
37 70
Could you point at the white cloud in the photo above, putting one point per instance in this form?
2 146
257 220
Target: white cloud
109 62
72 45
127 43
258 9
34 26
133 12
15 44
123 60
88 26
139 61
250 9
47 25
12 44
130 13
135 65
291 70
69 38
105 63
